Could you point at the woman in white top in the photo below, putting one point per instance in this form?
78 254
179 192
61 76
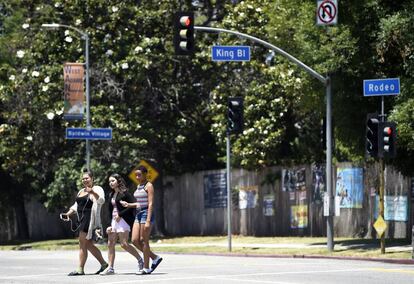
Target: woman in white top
87 207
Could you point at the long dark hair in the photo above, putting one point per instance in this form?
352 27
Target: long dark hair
121 182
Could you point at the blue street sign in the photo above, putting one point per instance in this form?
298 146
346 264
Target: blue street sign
92 134
230 53
382 87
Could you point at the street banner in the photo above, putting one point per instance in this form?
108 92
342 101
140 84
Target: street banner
73 74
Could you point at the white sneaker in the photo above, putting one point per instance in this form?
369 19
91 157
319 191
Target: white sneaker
140 264
144 271
108 271
155 262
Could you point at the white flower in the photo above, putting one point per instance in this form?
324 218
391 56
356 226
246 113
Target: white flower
281 114
138 49
29 138
20 53
109 52
67 32
35 74
25 26
45 88
114 9
111 107
47 80
57 5
12 77
125 65
78 22
59 112
24 70
68 39
179 139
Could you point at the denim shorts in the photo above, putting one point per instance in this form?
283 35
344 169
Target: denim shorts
141 216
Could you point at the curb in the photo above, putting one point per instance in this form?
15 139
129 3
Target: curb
385 260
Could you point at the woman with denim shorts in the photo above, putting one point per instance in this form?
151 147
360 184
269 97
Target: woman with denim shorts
144 218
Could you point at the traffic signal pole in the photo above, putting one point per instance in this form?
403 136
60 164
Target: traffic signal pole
382 181
326 81
229 207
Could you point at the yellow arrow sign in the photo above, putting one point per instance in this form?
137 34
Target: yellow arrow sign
151 175
380 226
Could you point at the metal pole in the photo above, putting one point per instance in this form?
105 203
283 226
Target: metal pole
381 205
382 182
329 221
228 191
327 82
269 45
88 122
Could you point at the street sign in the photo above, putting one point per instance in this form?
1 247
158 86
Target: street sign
380 226
92 134
327 12
230 53
151 175
382 87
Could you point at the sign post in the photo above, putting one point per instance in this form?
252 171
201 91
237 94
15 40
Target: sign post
381 87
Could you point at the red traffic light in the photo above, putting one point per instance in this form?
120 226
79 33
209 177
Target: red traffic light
387 130
185 21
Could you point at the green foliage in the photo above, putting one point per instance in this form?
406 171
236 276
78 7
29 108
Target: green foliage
172 110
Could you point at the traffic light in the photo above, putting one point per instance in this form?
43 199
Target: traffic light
387 138
371 141
184 33
235 115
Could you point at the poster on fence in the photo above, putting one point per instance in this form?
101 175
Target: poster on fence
215 190
298 216
349 187
73 94
395 208
248 196
269 205
293 179
318 183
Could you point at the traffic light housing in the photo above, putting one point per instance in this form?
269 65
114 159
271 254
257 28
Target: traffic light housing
235 119
184 33
371 131
387 138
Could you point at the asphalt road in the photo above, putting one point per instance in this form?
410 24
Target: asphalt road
53 266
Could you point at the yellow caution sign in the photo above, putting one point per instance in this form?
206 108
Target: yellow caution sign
380 226
151 175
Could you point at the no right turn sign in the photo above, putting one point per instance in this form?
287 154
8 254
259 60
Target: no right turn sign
327 12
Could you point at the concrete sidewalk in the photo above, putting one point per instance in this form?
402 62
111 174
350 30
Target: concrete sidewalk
282 245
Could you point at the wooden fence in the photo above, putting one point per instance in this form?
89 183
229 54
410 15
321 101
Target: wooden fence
282 201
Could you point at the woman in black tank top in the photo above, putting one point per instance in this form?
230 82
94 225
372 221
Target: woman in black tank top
87 208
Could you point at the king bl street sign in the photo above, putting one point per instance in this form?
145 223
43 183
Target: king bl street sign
90 134
230 53
382 87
